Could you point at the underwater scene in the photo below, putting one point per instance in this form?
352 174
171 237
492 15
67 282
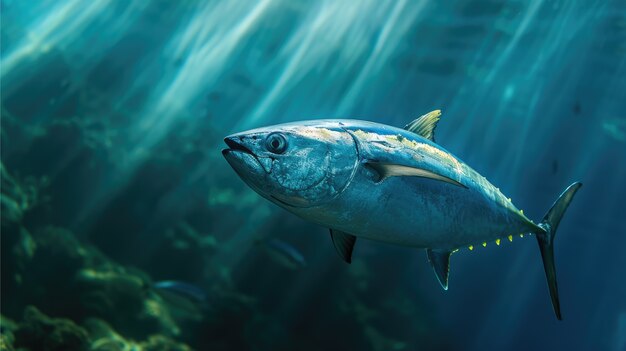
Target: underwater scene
130 223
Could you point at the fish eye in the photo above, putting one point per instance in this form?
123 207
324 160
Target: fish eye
276 143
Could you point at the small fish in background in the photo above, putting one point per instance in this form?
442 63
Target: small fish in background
615 128
184 299
184 289
284 254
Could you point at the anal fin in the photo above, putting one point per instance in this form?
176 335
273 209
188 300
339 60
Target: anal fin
344 244
440 261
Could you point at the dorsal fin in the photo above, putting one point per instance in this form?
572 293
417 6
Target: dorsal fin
344 244
425 125
440 261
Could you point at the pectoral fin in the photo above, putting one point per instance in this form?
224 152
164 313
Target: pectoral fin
344 244
387 170
440 261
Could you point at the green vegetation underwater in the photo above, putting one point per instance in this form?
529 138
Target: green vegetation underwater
125 228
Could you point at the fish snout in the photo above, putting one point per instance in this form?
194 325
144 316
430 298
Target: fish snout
235 143
245 162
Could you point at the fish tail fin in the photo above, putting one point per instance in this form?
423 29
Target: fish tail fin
545 239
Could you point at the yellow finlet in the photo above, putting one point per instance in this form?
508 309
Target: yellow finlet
521 235
498 242
471 247
485 244
508 198
521 211
511 238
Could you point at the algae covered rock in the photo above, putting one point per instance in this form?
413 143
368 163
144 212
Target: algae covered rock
162 343
40 332
5 343
7 327
53 270
46 262
19 195
123 297
105 338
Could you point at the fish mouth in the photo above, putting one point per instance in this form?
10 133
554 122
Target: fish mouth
238 154
244 162
234 146
237 149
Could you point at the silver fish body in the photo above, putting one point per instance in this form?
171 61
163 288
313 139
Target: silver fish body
410 211
374 181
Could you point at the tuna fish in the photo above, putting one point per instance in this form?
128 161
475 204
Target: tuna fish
368 180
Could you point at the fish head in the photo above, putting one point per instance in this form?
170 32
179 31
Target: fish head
295 165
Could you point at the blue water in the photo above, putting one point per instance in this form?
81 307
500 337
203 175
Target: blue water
116 110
